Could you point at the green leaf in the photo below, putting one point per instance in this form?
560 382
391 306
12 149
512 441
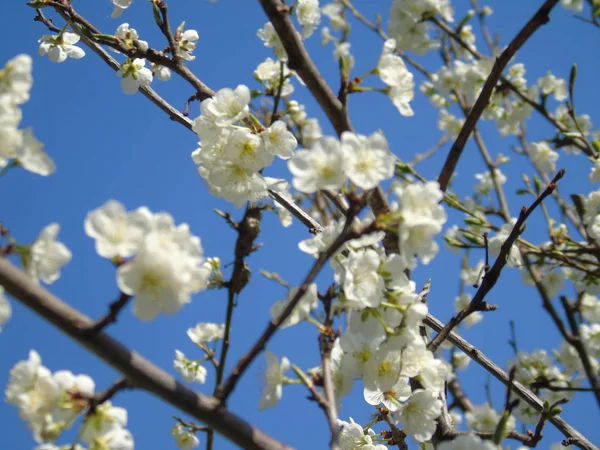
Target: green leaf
539 185
555 411
402 169
572 78
157 15
465 20
37 4
596 144
474 221
522 191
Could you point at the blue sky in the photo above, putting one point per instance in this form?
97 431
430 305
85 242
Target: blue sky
110 146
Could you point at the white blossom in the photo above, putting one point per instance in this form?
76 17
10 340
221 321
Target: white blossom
168 268
134 75
334 11
105 419
16 79
383 371
184 439
274 378
269 36
422 220
187 44
495 243
543 156
59 47
301 311
484 418
573 5
363 285
311 132
206 332
550 84
228 105
417 416
279 141
270 73
191 371
353 437
120 6
391 399
590 307
321 167
367 160
246 150
47 256
130 38
595 172
393 72
486 182
309 16
117 439
162 73
471 276
118 233
31 157
33 390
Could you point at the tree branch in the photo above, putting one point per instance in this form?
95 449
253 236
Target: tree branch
491 276
300 61
348 232
138 370
540 18
529 397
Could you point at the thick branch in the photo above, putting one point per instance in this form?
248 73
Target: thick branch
300 61
138 370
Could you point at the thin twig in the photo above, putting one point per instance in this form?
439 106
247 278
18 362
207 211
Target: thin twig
114 310
492 275
525 394
348 232
248 229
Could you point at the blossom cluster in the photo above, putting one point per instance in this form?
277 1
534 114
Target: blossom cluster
382 344
408 27
160 263
203 333
234 149
50 403
329 163
18 147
